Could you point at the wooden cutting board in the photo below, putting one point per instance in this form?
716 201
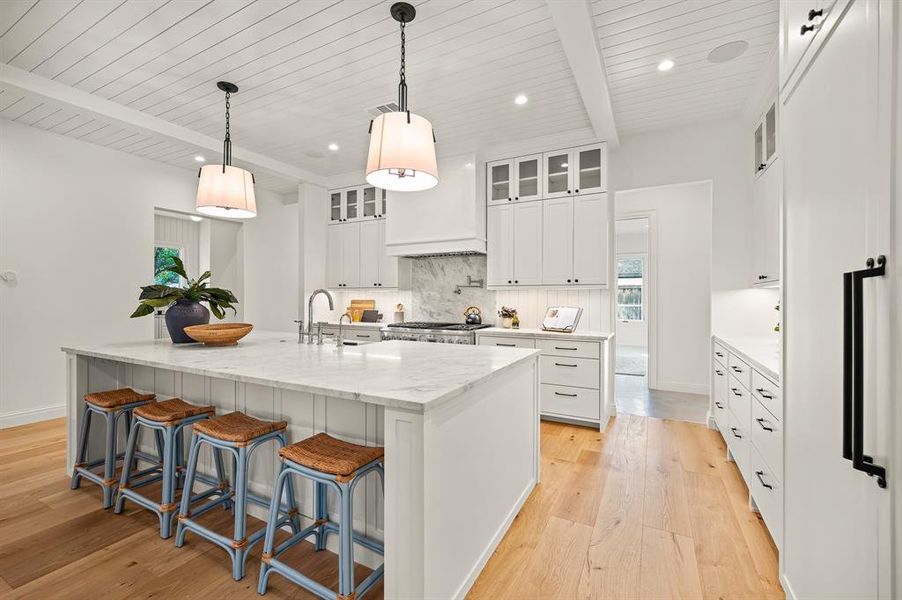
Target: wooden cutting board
358 306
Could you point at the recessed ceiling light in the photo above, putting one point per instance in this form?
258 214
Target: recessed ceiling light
200 158
521 99
333 146
196 219
665 65
729 51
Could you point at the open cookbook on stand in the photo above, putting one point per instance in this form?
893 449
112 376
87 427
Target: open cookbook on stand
562 318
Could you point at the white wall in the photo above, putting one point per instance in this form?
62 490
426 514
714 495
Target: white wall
680 275
227 262
81 240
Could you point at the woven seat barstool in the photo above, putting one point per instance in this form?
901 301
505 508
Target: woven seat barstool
167 418
240 435
340 465
111 405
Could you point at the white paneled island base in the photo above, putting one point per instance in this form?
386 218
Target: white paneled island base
459 425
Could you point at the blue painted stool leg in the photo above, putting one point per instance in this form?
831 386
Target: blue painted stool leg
158 439
185 507
169 482
320 514
82 445
109 462
271 526
126 473
179 458
345 544
239 541
221 476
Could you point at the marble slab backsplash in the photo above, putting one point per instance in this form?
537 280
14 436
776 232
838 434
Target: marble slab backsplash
433 280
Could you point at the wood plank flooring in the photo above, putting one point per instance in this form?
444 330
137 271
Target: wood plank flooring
647 509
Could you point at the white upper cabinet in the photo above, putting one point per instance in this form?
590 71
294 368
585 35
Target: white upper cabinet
800 23
388 265
528 243
558 174
766 234
356 256
499 181
352 203
500 247
370 252
557 241
343 255
591 240
333 256
336 206
765 139
356 203
589 171
528 177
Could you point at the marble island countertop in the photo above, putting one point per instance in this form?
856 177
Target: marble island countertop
763 353
409 375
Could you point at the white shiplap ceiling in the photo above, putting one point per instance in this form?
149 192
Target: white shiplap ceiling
635 35
308 70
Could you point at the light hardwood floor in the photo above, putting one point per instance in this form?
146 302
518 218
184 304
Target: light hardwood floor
648 509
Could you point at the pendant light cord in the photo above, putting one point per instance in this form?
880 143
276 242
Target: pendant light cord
227 143
402 87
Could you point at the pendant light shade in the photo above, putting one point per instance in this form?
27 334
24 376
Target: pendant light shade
402 153
402 144
224 190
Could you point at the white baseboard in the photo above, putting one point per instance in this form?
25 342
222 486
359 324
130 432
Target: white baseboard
32 415
787 589
686 388
464 589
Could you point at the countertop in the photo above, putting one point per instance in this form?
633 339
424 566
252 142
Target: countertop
763 353
578 335
409 375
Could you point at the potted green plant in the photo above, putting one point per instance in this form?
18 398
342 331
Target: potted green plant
187 309
507 316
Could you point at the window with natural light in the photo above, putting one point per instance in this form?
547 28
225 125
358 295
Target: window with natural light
630 284
162 257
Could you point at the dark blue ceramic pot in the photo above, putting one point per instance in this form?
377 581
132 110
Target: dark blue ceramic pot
182 314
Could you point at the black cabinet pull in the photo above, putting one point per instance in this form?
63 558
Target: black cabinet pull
718 404
805 29
736 435
563 394
719 372
564 365
516 197
509 281
568 191
506 345
736 392
736 369
763 426
568 281
763 394
813 14
576 280
761 479
516 281
720 354
853 369
577 191
565 348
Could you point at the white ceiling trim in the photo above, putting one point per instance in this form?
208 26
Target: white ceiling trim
101 109
575 27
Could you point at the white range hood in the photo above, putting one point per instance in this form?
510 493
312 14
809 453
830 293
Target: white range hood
447 219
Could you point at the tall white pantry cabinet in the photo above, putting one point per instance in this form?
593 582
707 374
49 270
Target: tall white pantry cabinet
839 65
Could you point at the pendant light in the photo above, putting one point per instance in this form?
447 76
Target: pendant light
402 144
224 190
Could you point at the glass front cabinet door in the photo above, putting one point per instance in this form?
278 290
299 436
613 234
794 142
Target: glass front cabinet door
558 179
336 209
370 206
500 181
352 204
528 177
589 176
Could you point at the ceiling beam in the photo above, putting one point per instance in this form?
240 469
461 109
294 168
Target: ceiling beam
31 85
576 29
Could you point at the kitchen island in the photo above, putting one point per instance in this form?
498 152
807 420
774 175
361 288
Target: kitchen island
459 425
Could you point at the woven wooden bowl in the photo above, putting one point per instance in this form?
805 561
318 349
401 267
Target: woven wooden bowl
219 334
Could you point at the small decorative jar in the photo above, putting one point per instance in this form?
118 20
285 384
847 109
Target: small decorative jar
506 322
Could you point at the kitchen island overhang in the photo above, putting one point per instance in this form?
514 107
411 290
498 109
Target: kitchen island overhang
460 427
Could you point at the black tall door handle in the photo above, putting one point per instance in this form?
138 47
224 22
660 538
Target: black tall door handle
805 29
853 369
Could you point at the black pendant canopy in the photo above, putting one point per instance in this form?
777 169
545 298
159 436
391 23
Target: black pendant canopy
402 12
227 87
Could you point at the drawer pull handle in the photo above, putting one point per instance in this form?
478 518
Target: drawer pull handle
736 392
564 365
565 348
763 394
563 394
761 479
736 369
362 336
506 345
736 435
762 423
718 404
719 372
720 354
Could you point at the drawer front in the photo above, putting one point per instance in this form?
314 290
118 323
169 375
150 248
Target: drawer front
740 400
767 491
768 394
572 372
565 348
573 402
720 354
506 342
362 336
767 436
737 437
740 370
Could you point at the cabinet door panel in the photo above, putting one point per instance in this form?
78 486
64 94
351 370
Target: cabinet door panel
528 174
333 256
388 266
352 204
772 187
528 243
591 240
500 181
370 206
336 207
557 241
557 174
370 253
589 173
500 263
350 254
